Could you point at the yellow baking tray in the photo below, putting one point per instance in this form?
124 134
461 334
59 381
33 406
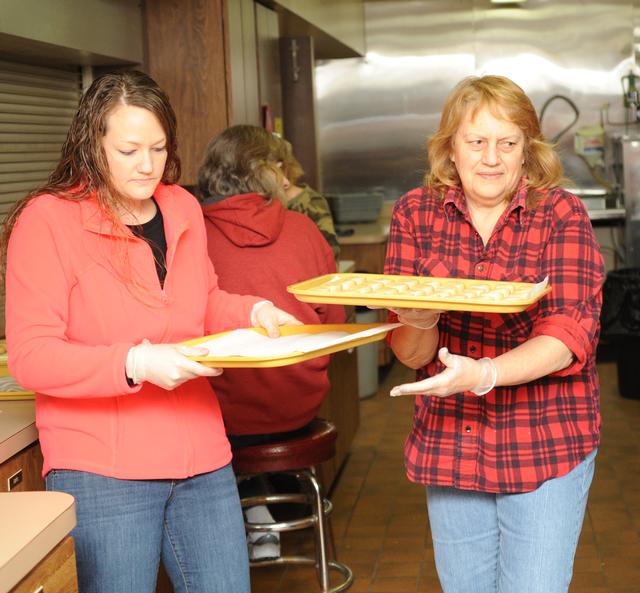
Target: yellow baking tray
4 369
293 357
420 292
16 395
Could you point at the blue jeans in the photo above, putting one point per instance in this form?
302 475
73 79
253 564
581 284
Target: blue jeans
509 543
125 526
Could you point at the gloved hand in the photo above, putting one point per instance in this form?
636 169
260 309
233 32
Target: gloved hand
166 365
461 374
418 318
264 314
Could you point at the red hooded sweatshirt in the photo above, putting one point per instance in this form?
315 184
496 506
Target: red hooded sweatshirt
259 247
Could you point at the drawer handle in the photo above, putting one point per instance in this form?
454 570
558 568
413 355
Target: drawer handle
40 589
13 481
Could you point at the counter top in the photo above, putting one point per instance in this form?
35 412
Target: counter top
370 232
31 525
346 265
378 231
607 214
17 427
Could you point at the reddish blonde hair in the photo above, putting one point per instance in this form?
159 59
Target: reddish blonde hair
505 99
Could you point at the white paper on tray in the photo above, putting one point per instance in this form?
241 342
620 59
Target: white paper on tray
538 288
247 343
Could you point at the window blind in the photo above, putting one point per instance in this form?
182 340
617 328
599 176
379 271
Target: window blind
36 107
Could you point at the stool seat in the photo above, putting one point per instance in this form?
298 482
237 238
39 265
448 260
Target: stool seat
308 450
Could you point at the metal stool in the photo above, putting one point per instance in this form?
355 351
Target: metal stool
297 457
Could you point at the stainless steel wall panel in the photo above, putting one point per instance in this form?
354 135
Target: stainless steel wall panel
375 113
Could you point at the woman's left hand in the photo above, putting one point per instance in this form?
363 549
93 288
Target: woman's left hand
417 318
269 317
461 374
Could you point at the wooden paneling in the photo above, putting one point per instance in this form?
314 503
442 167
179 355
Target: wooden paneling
297 67
243 60
342 407
187 54
29 460
56 573
268 49
369 258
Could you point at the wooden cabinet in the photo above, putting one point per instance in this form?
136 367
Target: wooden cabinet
187 54
24 470
368 257
342 407
56 573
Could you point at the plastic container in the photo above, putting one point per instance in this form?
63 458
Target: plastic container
620 320
367 356
356 207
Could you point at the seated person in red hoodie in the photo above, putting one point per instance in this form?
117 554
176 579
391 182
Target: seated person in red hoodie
259 247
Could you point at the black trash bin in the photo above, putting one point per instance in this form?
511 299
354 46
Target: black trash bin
620 320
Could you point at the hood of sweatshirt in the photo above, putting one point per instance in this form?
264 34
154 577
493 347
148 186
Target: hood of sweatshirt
247 220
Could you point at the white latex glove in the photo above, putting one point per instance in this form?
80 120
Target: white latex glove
461 374
166 365
264 314
418 318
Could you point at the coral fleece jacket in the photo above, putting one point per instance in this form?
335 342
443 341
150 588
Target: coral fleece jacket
72 318
255 244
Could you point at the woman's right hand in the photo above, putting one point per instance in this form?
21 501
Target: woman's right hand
166 365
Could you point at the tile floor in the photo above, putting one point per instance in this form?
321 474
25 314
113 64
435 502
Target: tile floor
380 522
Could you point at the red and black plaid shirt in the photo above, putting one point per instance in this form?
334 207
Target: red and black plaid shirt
513 438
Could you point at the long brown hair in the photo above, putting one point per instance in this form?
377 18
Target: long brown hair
82 170
241 159
291 167
504 98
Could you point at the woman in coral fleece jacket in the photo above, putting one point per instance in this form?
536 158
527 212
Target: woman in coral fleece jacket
256 243
107 270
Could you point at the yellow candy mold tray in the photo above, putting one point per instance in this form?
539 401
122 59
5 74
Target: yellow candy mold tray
351 336
420 292
16 395
4 369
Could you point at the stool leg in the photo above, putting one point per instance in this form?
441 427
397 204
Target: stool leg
321 535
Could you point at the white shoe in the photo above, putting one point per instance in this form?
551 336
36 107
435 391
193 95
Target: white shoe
262 545
265 547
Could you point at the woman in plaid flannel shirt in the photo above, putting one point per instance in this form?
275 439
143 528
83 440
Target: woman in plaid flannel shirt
507 421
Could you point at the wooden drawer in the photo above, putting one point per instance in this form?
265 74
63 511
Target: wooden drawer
342 407
56 573
29 462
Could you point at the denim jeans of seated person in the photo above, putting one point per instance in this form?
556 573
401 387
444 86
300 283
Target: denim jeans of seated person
509 543
125 526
